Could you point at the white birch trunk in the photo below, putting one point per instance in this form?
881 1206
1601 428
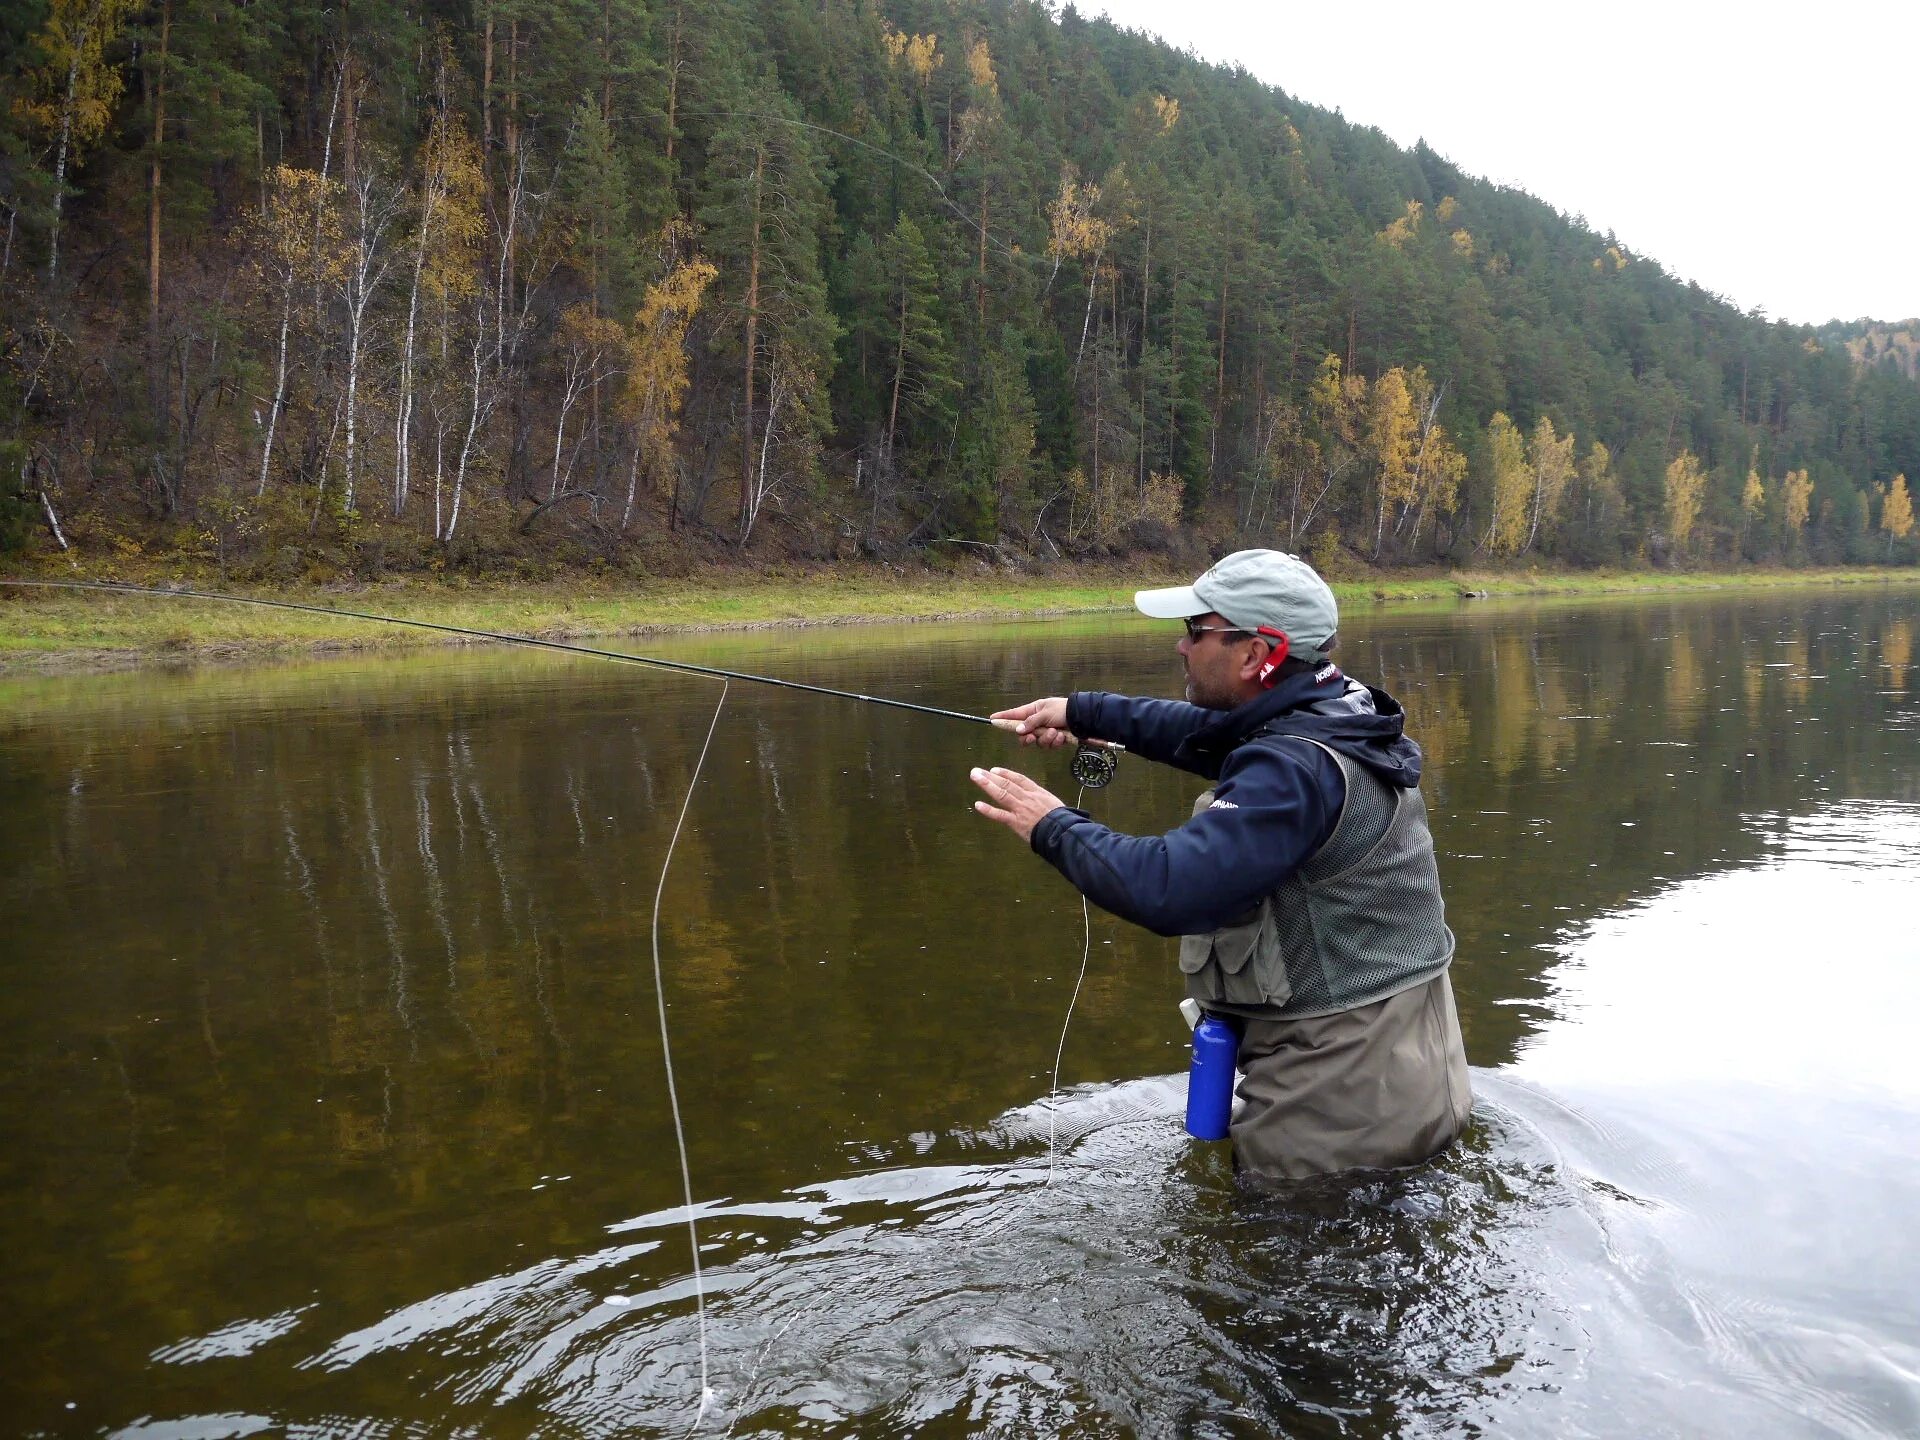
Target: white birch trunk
279 386
403 423
758 495
559 438
633 485
53 520
473 424
320 194
353 399
66 142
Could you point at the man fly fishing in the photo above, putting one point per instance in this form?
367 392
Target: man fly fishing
1304 887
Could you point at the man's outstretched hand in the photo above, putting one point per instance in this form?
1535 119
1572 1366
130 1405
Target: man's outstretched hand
1012 799
1042 722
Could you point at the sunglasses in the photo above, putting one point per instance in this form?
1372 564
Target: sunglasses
1195 629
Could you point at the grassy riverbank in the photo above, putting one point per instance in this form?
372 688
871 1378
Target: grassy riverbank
50 630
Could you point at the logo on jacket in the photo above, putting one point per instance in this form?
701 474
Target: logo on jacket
1223 805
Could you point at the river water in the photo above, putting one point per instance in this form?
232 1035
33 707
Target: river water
336 1105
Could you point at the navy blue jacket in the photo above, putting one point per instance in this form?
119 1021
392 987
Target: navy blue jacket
1275 802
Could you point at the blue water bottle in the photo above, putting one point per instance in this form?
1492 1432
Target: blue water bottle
1210 1079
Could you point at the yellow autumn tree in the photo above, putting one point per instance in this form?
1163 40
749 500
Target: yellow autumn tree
454 173
1686 481
980 68
294 242
1438 465
1075 228
1512 485
657 365
449 225
1753 496
919 55
1896 513
1079 227
1338 403
1796 503
1406 227
1550 456
1391 441
70 98
1753 499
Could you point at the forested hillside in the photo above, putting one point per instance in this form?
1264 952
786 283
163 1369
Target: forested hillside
298 287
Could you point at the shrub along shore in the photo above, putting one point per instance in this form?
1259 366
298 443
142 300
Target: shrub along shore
62 630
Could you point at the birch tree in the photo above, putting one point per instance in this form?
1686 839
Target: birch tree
1796 505
1685 481
372 205
1550 457
448 227
71 97
1391 437
590 348
1753 497
283 255
1896 513
1512 485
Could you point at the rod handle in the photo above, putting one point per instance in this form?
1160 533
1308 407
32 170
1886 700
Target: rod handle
1014 726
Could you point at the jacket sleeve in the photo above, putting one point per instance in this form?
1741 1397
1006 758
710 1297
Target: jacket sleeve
1151 729
1276 804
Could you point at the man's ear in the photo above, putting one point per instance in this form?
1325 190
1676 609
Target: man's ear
1256 660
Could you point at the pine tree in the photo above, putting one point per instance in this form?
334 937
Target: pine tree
763 215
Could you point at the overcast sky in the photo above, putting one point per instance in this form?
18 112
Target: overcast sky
1768 151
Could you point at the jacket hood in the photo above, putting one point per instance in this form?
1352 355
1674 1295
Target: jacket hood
1363 723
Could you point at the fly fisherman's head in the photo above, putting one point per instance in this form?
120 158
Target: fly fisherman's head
1252 619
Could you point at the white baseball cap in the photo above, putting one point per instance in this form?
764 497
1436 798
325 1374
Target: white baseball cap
1251 588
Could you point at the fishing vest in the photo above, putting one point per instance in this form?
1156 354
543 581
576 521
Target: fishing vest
1359 920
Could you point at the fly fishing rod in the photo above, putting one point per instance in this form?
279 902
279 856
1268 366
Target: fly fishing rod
1094 762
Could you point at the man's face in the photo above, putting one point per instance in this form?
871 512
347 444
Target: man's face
1213 653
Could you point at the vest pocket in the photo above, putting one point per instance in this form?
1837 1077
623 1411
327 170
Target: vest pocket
1238 964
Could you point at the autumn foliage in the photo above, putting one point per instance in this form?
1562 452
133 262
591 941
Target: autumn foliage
298 289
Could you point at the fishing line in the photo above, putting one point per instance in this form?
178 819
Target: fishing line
1093 764
1053 1095
666 1054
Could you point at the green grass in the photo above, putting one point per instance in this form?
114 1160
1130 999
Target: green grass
50 630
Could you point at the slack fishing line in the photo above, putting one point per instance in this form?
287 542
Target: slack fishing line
666 1055
1053 1092
1094 762
1093 767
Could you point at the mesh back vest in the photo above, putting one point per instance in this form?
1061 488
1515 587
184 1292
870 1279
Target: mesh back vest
1361 920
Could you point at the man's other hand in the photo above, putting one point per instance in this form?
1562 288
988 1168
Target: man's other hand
1015 801
1042 722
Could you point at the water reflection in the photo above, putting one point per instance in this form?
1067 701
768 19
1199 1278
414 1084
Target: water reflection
339 1102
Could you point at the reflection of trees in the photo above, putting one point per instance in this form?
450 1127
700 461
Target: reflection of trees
1701 715
1896 653
237 1033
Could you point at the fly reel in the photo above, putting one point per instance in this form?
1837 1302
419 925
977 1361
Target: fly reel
1093 767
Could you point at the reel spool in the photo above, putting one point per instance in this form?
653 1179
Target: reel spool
1094 768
